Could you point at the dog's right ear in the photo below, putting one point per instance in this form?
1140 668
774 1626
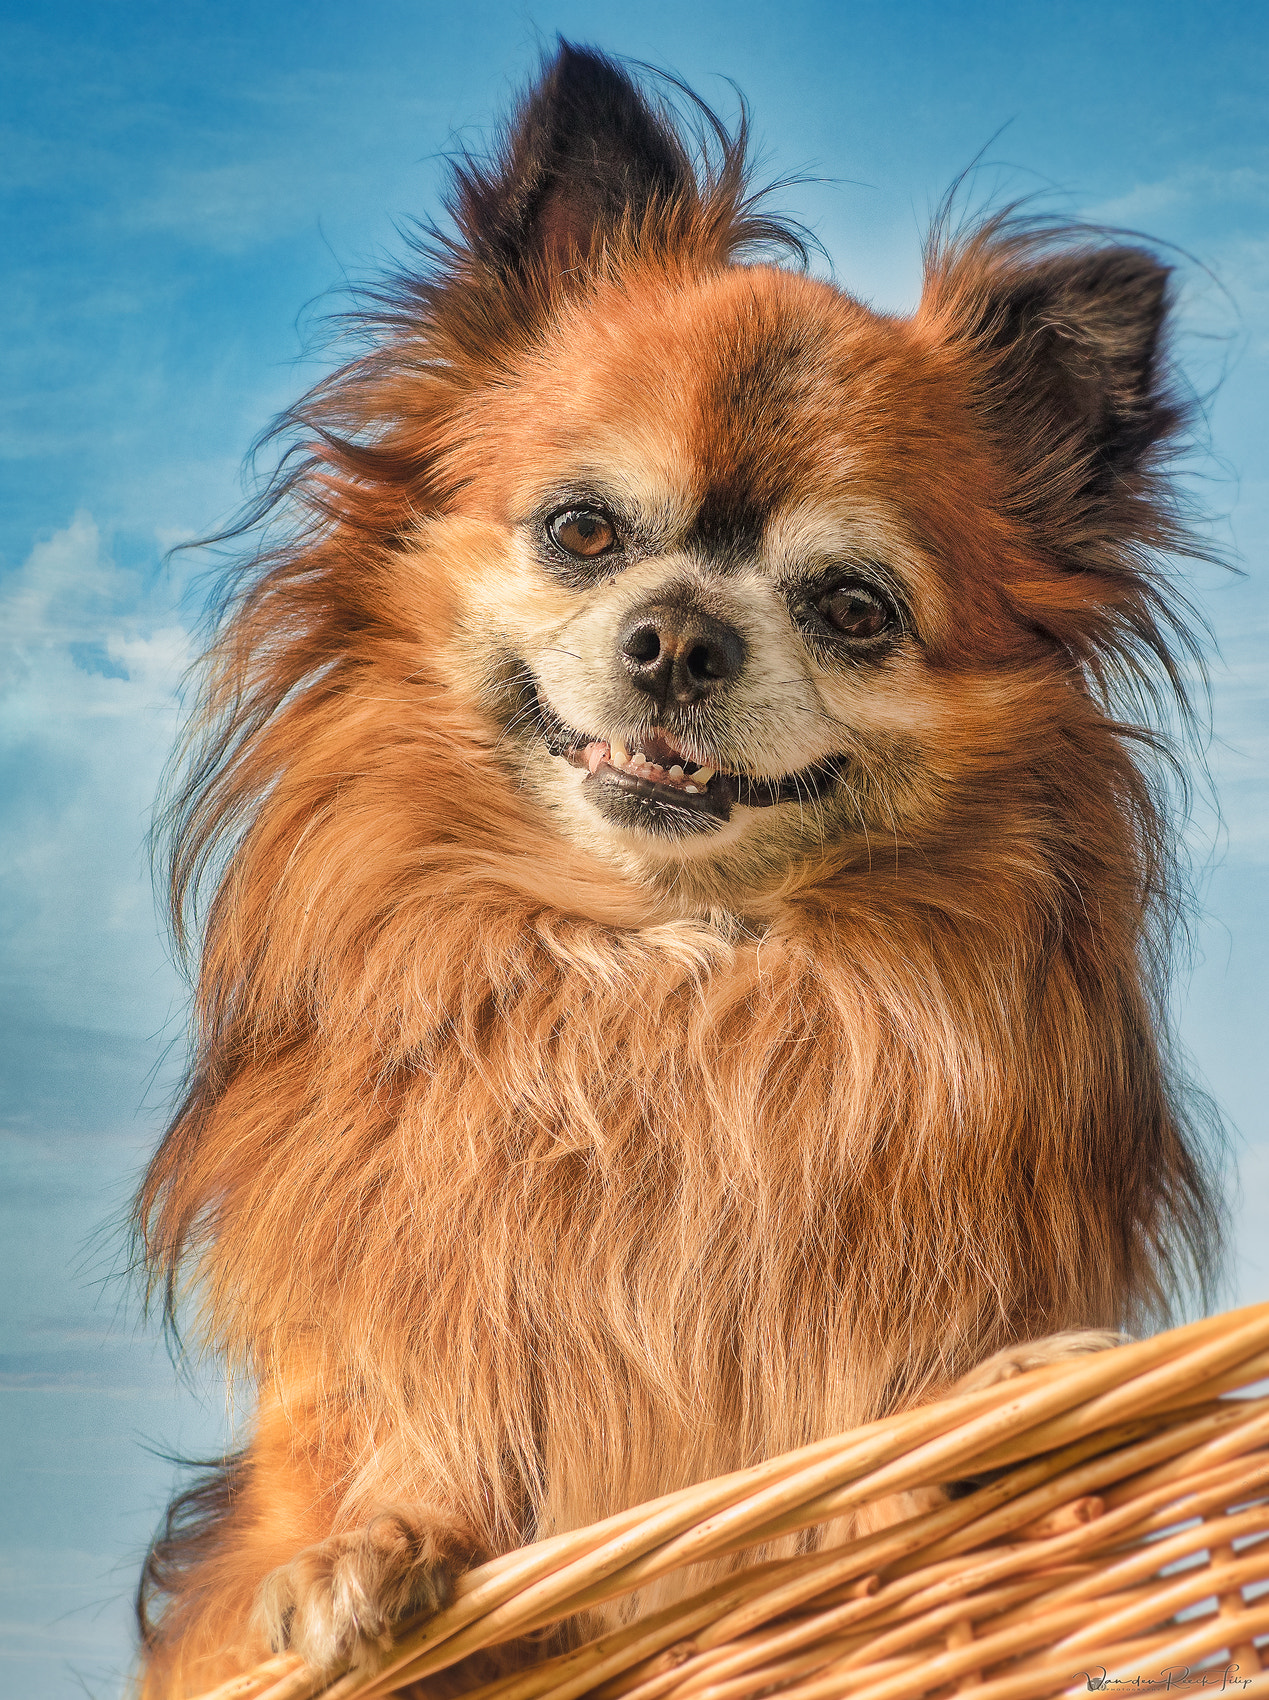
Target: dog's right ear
585 158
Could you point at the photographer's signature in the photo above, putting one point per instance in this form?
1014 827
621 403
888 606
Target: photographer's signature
1172 1676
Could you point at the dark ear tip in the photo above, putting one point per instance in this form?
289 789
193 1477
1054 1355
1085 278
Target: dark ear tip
1122 295
576 67
1069 323
575 55
1126 268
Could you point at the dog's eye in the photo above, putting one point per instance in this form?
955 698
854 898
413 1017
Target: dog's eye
854 611
582 531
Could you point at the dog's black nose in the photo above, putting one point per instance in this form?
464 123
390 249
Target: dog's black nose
678 653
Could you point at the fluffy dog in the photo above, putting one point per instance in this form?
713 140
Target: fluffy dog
690 874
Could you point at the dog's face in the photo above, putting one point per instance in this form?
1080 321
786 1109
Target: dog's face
734 605
746 579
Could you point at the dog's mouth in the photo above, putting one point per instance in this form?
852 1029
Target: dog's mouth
655 778
659 773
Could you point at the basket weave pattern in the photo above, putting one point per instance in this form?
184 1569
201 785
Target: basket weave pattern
1122 1540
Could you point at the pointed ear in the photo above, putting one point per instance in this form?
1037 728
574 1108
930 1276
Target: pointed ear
1069 378
585 156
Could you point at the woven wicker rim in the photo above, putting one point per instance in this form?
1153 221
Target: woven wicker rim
1122 1472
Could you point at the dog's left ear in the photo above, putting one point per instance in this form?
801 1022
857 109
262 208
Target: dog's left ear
585 157
1067 374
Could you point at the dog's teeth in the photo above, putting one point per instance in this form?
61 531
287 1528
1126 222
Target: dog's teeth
692 788
639 759
703 775
676 772
620 755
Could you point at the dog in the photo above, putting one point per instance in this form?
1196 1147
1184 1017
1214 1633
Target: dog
690 874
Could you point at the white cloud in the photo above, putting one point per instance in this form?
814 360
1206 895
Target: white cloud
63 586
231 207
288 153
1218 216
90 663
1242 265
1239 755
1200 186
1250 1264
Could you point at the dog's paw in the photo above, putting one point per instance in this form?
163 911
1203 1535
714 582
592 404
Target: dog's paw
1016 1360
1033 1354
340 1598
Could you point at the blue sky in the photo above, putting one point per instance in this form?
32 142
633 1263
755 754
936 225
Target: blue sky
186 189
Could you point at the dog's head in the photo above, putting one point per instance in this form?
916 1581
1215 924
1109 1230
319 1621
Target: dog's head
743 576
744 570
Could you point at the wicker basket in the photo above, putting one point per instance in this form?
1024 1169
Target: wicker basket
1120 1542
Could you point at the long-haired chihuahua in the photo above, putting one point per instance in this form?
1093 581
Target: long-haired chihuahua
689 874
